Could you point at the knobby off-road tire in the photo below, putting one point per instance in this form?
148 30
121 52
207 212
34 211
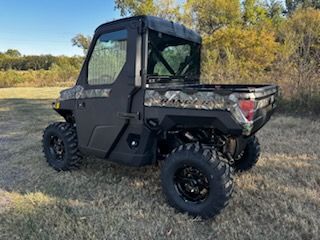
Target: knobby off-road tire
249 157
215 174
60 146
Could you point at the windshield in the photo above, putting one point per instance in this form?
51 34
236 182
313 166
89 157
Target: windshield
170 58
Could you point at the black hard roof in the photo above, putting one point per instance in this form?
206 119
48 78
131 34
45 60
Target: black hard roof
161 25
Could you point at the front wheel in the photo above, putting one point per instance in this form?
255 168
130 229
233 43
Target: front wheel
60 146
195 181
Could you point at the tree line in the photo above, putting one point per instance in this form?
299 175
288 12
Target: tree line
37 71
12 59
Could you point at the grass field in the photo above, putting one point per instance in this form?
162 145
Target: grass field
278 199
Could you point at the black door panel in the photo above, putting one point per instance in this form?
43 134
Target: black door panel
99 124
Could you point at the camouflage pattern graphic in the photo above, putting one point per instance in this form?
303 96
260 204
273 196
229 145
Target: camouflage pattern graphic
78 92
198 100
95 93
70 93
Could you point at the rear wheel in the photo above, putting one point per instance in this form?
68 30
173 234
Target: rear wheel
196 181
60 146
249 157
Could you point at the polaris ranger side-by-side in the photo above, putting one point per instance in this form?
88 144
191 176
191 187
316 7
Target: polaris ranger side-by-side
139 100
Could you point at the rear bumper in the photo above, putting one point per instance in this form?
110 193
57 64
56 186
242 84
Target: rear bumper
264 117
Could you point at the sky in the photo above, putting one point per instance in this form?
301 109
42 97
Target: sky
37 27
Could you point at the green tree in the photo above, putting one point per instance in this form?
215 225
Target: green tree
13 53
82 41
209 15
168 9
292 5
236 53
275 11
135 7
203 15
254 13
249 16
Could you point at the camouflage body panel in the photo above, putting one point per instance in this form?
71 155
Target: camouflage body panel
202 100
78 92
179 99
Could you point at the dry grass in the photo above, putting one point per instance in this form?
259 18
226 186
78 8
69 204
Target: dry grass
279 199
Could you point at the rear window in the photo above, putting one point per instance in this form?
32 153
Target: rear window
172 56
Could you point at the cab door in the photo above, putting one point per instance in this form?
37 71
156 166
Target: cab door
107 79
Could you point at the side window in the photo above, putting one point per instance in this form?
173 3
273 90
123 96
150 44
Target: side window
108 58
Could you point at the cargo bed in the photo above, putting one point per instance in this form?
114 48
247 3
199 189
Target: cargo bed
250 105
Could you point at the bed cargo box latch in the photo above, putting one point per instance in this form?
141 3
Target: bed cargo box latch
125 115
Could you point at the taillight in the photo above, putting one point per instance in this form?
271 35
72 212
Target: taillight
247 107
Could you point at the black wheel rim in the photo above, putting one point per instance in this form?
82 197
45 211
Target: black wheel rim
191 184
56 147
